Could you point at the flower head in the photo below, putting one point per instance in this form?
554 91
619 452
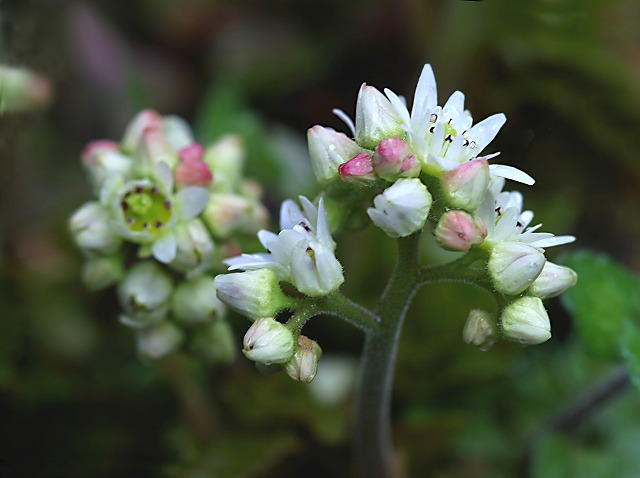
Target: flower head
302 253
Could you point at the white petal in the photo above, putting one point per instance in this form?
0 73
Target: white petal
164 248
425 97
322 227
506 226
164 176
290 214
191 201
509 172
266 237
484 132
454 108
525 218
347 120
310 210
553 241
400 107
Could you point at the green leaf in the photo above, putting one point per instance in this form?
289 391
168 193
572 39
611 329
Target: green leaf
603 303
631 353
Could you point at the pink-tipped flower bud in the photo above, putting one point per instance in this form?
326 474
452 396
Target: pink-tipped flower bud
191 169
392 160
526 321
23 90
465 186
154 148
376 118
133 133
479 330
103 160
228 214
268 341
304 364
553 281
358 169
459 231
514 266
328 150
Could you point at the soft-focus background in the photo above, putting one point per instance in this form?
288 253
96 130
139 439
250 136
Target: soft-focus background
77 401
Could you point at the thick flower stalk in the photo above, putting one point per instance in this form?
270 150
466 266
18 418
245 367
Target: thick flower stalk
160 193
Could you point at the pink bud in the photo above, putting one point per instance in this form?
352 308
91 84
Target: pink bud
192 170
466 185
154 148
459 231
96 147
391 160
144 120
358 168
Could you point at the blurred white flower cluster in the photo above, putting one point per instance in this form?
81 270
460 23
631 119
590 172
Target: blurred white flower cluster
165 213
424 166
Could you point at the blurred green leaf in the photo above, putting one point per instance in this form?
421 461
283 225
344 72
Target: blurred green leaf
603 303
631 353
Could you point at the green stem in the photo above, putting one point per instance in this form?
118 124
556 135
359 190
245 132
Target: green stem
374 448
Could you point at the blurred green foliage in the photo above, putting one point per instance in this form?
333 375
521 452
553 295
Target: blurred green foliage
74 398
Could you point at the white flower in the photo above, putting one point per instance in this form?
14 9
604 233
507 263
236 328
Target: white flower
92 231
302 253
402 208
443 137
502 214
147 212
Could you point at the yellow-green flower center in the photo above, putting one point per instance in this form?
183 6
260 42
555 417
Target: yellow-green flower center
146 209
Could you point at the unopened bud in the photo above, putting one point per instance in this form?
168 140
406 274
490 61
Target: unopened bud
23 90
514 266
376 119
191 169
392 159
253 294
479 330
328 150
358 169
225 158
154 148
195 301
144 120
103 160
194 248
465 186
145 294
553 281
102 271
159 340
268 341
92 230
402 208
229 214
459 231
303 366
526 321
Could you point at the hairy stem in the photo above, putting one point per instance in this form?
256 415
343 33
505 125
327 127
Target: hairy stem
374 447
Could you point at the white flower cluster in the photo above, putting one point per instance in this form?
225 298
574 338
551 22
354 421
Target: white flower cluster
439 147
174 202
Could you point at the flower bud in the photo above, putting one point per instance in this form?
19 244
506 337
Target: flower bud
304 364
465 186
479 330
268 341
229 214
459 231
376 119
23 90
102 159
102 271
392 159
402 208
145 294
253 294
514 266
225 158
328 150
154 148
215 342
553 281
358 169
159 340
92 231
191 169
526 321
195 301
133 133
194 251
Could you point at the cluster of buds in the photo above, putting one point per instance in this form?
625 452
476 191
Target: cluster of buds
404 162
166 209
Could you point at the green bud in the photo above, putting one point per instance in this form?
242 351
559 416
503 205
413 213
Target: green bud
268 341
195 301
526 321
